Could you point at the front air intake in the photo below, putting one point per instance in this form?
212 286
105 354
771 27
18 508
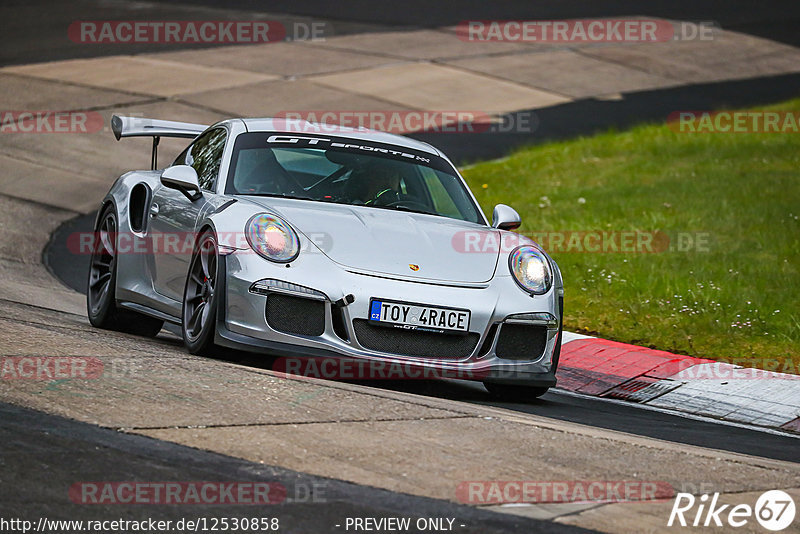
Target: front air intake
295 315
521 342
414 343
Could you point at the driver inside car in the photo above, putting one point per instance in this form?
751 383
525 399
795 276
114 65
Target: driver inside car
374 185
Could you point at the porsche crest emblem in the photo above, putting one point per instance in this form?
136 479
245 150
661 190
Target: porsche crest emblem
414 267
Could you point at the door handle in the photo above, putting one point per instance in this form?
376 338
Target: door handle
154 211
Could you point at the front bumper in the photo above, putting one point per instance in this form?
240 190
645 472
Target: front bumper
242 322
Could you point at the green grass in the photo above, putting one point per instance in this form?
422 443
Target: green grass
738 300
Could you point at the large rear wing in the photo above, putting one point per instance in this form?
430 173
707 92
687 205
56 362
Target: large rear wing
140 127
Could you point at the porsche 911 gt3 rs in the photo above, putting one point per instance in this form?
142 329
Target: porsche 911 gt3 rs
305 240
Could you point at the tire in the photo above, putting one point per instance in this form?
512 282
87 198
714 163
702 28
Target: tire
199 310
514 393
101 303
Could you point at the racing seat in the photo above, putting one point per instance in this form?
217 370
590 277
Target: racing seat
259 171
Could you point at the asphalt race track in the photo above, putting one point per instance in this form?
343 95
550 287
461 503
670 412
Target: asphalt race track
29 37
620 416
313 504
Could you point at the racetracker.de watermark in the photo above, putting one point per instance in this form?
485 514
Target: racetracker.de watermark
570 491
400 122
178 243
583 241
194 31
50 121
350 369
464 241
725 371
770 365
67 368
50 368
577 31
786 122
174 493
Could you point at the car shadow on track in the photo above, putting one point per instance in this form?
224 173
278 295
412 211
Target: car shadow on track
444 388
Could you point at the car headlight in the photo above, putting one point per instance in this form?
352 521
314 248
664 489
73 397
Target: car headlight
531 269
272 238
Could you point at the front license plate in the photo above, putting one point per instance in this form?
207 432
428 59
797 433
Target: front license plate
418 316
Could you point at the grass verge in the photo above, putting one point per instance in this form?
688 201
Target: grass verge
725 287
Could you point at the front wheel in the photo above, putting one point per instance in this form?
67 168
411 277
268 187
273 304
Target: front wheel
199 316
515 393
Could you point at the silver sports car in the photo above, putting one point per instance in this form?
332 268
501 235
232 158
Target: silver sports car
303 240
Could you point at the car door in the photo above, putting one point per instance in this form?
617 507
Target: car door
173 215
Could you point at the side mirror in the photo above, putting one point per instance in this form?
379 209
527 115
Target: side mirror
505 218
184 179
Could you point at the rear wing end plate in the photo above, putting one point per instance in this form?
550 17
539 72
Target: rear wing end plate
141 127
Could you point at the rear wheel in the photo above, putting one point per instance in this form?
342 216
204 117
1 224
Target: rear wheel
101 305
199 315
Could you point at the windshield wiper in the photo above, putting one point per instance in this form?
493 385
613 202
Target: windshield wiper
280 195
404 208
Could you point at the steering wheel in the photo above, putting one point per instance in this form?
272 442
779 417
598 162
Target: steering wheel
384 198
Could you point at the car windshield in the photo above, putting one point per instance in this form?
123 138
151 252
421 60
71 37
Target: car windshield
342 173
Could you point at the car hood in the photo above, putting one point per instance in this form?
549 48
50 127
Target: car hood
390 242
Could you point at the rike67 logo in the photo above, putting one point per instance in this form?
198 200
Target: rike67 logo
774 510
